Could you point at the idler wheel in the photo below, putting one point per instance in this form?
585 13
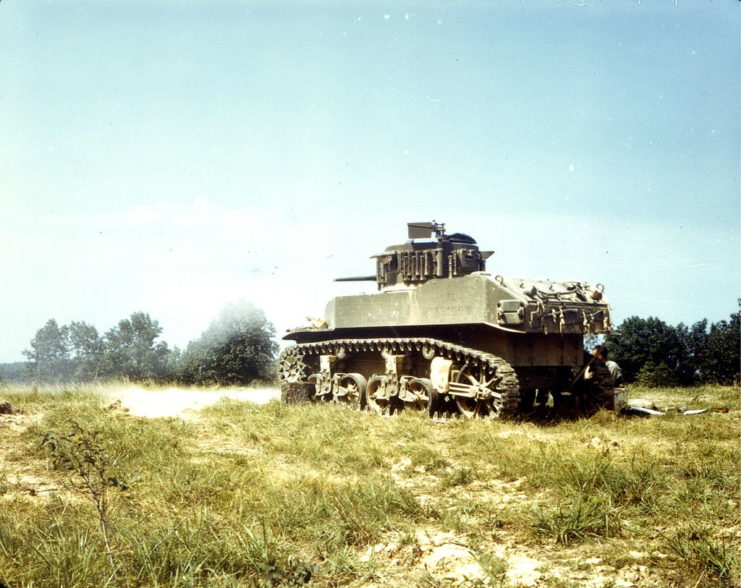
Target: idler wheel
481 382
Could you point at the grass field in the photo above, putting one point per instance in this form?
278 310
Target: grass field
240 494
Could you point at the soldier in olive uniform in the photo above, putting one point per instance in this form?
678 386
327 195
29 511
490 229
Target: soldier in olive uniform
616 373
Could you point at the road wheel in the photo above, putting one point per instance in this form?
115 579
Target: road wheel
421 389
351 391
434 403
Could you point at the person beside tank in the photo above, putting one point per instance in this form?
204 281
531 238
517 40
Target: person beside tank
601 353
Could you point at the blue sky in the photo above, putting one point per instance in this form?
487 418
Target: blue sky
173 156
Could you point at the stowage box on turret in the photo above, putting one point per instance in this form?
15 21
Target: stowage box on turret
444 335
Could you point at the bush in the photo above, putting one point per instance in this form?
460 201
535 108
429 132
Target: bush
656 376
237 348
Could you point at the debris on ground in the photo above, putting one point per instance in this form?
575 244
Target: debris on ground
655 411
6 408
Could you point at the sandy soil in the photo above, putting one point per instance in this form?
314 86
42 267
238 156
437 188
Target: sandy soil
183 402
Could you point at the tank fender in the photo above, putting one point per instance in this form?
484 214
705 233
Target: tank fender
440 373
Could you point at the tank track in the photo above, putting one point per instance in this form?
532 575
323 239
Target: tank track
293 368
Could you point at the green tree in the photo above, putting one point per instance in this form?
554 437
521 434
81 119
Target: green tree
238 347
653 375
651 342
720 358
49 353
131 350
86 348
694 341
15 372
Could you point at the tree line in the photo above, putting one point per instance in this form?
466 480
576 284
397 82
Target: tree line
652 353
238 347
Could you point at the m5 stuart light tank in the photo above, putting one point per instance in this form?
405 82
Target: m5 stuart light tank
444 336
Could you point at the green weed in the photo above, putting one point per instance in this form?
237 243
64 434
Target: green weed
578 520
698 550
494 568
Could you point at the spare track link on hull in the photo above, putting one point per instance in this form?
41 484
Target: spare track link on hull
477 371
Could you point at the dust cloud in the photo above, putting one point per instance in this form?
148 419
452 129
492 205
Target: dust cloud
171 402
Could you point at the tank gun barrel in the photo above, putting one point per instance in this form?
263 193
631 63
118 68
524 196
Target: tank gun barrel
357 279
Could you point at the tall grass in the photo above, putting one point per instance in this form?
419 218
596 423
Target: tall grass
285 495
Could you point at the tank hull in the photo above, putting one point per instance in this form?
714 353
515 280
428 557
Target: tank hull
509 318
514 305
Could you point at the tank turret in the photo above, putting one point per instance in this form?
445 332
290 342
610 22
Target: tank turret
415 262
